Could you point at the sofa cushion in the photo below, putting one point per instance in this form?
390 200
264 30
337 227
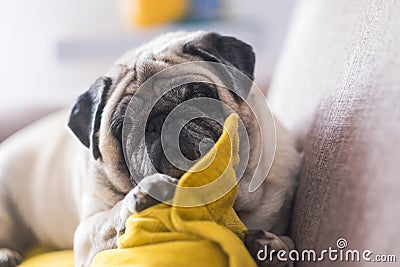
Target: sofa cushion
13 120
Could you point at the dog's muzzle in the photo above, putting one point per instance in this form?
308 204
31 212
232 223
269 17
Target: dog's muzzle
195 138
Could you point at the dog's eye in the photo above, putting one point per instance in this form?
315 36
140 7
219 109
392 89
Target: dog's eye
199 94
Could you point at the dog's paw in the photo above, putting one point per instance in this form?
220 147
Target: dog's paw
263 246
9 258
151 191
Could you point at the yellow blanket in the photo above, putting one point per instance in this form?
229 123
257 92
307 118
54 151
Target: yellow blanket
205 235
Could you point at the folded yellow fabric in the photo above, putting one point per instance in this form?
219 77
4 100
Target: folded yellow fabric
203 230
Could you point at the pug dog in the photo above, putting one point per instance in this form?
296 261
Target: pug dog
64 190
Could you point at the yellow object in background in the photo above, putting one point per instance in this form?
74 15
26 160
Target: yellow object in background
153 12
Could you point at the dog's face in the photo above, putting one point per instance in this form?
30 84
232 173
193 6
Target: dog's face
97 117
190 137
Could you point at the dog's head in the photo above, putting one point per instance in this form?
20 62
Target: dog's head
98 115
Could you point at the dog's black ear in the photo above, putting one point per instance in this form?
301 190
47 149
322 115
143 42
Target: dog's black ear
84 120
226 50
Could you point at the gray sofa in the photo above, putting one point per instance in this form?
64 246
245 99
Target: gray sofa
337 88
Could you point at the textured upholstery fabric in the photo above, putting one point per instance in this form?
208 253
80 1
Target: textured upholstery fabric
337 89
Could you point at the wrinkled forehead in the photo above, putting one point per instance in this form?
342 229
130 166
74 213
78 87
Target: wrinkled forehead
139 64
162 47
142 62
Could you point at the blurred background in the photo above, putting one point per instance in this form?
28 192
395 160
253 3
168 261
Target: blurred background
52 50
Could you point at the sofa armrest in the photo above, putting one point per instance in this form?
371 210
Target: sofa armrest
337 89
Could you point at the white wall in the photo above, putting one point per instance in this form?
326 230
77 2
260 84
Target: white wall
32 74
29 32
275 15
